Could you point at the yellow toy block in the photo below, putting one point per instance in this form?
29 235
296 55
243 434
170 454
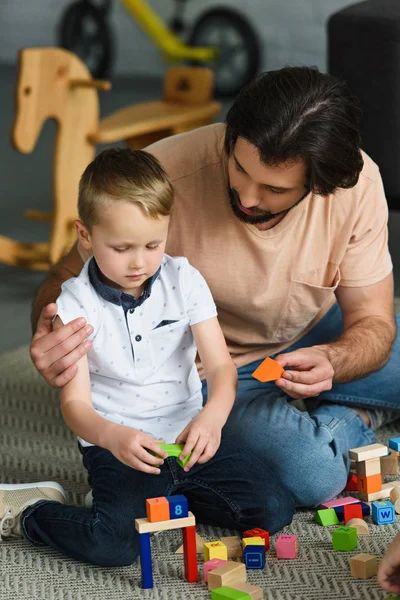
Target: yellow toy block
253 541
215 550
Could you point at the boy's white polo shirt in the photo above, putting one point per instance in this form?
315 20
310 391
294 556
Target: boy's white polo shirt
142 361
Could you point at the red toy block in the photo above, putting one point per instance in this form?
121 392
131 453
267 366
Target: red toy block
190 554
257 532
370 484
352 511
269 370
157 509
352 483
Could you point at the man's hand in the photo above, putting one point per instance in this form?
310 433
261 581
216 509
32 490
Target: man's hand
55 353
310 372
202 437
131 447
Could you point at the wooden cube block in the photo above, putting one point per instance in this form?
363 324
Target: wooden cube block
227 574
254 541
366 452
372 466
383 512
363 566
395 498
394 443
254 556
215 550
390 463
257 532
228 593
352 511
360 525
254 592
370 484
233 545
210 565
344 539
178 506
157 509
286 546
326 517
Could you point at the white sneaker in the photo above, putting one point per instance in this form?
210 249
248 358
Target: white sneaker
14 498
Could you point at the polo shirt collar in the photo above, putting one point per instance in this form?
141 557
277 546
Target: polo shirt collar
115 296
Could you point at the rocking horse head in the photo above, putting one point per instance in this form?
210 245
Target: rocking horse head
50 85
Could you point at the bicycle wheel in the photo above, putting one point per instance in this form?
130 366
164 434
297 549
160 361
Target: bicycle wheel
84 30
238 45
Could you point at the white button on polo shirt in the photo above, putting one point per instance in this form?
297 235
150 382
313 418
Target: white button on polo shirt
142 361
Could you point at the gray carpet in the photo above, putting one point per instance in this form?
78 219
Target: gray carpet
36 445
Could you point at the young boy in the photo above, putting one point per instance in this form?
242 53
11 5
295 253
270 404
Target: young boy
139 383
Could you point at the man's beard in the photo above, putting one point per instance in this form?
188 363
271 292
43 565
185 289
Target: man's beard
259 216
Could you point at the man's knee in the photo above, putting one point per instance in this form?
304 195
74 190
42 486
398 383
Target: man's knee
116 552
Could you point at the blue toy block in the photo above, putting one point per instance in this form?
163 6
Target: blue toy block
394 444
254 557
339 510
178 506
383 512
145 561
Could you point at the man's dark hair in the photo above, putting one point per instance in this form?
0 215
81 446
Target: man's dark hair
299 113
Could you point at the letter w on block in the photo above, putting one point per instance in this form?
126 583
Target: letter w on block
269 370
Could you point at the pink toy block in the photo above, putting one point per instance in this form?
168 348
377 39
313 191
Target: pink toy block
286 546
210 565
339 502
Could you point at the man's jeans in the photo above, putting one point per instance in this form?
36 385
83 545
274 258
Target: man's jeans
309 449
232 490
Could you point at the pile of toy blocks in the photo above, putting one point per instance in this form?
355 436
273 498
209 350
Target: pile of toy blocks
370 462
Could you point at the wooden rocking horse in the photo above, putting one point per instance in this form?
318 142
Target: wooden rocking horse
54 83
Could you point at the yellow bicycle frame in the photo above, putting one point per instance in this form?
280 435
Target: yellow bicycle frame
172 47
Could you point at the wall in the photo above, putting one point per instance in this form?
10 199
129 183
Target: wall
292 31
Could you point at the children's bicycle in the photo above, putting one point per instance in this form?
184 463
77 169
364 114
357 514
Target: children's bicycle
220 38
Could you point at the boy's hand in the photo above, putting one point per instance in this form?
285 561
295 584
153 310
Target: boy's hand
202 437
131 447
389 568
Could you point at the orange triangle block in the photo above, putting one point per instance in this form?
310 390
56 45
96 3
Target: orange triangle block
269 370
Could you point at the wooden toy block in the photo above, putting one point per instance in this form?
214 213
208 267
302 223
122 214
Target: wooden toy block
254 592
351 485
175 451
229 593
254 556
394 444
143 525
390 463
360 525
395 498
365 508
352 511
363 566
370 484
326 517
210 565
269 370
178 506
190 554
252 541
227 574
383 512
382 494
365 468
339 502
199 545
215 550
157 509
367 452
257 532
145 561
344 539
233 545
286 546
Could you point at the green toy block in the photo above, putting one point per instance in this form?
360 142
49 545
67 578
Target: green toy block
344 538
228 593
174 450
326 517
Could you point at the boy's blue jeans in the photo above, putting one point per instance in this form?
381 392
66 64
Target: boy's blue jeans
309 450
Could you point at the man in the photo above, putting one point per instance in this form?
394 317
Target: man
286 219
